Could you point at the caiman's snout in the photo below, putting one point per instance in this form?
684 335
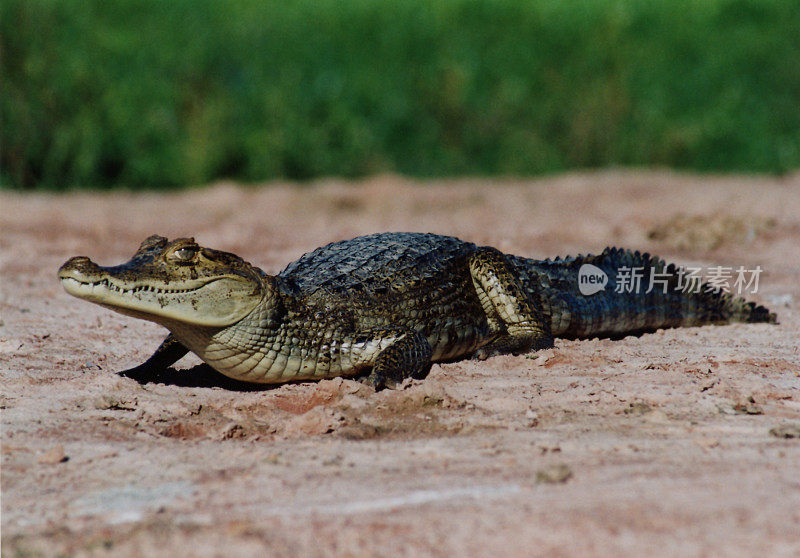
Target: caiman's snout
77 272
77 266
78 275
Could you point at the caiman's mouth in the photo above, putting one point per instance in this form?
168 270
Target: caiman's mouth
79 286
213 301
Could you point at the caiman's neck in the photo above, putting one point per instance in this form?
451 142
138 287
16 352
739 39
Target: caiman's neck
246 348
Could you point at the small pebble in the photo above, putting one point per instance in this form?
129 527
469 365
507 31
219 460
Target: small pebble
53 455
554 474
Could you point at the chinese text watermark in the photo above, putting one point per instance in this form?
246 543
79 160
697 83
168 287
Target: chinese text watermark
641 279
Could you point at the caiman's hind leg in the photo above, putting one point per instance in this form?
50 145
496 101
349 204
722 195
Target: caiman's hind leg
408 356
168 353
513 316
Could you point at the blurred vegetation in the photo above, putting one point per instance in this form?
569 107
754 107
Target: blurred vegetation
162 93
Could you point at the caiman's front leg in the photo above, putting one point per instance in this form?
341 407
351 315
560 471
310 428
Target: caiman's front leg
408 356
168 353
515 318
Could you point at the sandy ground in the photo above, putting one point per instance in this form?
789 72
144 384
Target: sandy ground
654 445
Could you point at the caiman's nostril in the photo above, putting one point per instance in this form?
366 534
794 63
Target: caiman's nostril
77 264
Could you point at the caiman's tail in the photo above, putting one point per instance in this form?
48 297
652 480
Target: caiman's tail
620 292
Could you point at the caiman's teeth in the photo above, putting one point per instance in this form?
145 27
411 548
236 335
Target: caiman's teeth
107 284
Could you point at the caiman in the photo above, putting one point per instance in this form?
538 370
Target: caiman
384 306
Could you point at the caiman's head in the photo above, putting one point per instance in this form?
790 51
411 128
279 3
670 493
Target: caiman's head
166 281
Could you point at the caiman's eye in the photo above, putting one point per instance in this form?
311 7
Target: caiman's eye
185 254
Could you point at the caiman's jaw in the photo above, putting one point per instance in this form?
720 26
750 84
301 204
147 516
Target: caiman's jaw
170 281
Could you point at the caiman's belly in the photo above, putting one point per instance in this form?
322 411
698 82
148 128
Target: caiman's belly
288 363
283 359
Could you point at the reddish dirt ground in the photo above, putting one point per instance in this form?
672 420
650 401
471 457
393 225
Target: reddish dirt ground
678 443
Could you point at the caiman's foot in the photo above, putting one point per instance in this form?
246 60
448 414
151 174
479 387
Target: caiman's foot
154 368
144 374
408 357
517 344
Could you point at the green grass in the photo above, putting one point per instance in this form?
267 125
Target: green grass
164 93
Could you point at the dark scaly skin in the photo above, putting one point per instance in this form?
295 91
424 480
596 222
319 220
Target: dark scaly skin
387 304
